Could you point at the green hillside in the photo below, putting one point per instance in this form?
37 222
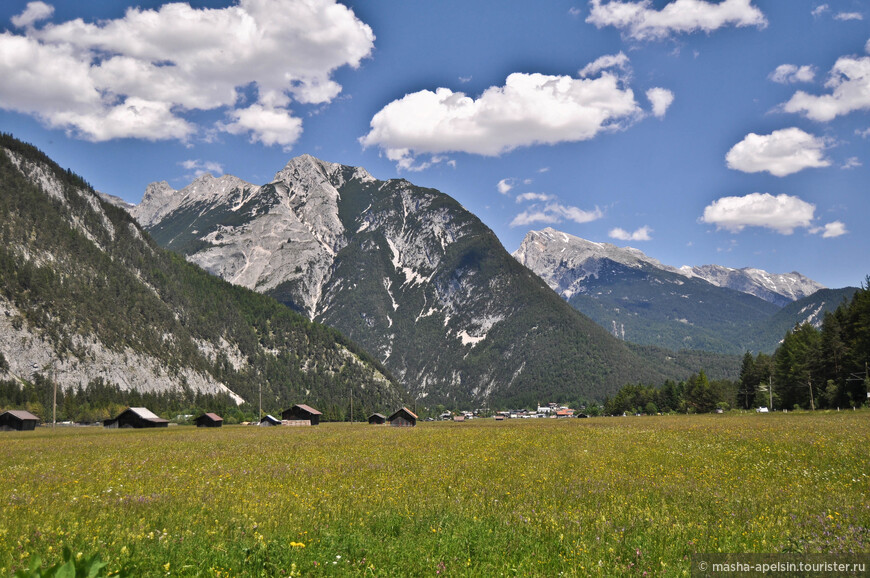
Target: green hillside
78 271
650 306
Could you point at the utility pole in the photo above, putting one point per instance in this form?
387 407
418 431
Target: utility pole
812 403
770 391
351 405
54 400
260 410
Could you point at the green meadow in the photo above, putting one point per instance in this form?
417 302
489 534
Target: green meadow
609 496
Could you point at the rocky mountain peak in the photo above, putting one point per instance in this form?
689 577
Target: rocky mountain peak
158 190
160 199
779 288
565 261
307 167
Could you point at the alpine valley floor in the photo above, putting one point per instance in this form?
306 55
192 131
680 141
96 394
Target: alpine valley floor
604 496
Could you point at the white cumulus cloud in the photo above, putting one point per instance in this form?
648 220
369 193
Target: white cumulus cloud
147 69
642 234
640 21
780 153
537 197
844 16
270 126
819 10
505 185
831 230
782 213
851 163
606 62
555 213
791 74
849 81
200 167
661 99
529 109
33 13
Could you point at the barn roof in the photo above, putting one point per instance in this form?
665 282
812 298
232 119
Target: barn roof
403 410
213 416
21 414
146 414
308 408
380 415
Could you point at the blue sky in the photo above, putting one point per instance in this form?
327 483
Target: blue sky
733 132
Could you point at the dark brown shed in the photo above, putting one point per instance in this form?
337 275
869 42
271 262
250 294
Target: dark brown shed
269 420
403 418
18 420
377 419
136 417
302 411
209 420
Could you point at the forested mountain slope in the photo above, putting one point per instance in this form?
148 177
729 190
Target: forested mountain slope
87 297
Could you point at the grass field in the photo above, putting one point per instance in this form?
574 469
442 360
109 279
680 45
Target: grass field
607 496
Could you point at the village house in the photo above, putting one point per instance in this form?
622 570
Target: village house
269 420
301 411
209 420
136 417
403 418
377 419
18 420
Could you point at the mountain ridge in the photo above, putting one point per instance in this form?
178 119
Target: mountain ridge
777 288
640 300
409 274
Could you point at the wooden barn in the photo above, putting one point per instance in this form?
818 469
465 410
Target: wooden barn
377 419
18 420
136 417
403 418
269 421
302 411
209 420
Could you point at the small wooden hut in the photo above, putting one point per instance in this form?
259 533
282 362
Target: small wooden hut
403 418
269 421
18 420
300 411
136 417
209 420
377 419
